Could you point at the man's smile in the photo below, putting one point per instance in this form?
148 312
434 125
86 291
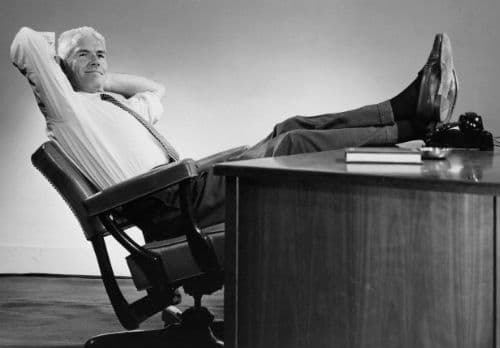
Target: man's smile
94 71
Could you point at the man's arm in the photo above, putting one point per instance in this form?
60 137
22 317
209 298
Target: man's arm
32 55
143 95
129 85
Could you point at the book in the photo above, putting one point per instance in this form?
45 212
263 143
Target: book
382 155
385 168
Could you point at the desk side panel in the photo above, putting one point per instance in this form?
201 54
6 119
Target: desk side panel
496 319
231 264
324 265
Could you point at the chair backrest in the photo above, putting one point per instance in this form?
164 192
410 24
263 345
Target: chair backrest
69 181
74 188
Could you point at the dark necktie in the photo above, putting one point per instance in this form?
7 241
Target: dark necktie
169 149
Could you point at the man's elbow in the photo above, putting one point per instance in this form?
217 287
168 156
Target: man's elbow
24 32
20 44
160 90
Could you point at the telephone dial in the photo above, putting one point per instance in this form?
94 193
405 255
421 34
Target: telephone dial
469 134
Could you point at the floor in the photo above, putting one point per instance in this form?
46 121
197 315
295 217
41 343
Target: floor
51 311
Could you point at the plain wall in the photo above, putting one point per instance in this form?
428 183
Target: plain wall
232 69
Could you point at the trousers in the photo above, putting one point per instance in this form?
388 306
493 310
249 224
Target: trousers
158 215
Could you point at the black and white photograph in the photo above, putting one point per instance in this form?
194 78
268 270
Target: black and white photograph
269 173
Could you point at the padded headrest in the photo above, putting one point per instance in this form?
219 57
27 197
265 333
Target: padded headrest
65 177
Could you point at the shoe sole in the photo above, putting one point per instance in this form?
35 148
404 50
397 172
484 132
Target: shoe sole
431 106
447 104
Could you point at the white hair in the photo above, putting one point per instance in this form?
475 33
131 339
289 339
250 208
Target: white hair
67 40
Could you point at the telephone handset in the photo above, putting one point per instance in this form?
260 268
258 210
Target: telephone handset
470 134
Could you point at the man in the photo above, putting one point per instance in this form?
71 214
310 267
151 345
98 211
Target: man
103 121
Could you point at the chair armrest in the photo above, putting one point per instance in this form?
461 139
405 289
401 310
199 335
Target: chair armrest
140 186
209 161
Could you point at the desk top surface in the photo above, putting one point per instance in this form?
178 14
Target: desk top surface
462 171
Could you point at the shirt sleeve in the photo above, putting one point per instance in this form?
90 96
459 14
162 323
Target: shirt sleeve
148 105
31 54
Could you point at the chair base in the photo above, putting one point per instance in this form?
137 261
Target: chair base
186 334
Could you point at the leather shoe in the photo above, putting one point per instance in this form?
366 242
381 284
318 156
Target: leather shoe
438 85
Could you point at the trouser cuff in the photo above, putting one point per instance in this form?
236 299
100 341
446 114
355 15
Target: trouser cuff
385 113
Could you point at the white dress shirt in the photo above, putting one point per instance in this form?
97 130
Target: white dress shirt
106 143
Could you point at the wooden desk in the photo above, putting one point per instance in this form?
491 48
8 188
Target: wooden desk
324 254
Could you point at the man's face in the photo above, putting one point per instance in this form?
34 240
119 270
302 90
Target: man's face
88 65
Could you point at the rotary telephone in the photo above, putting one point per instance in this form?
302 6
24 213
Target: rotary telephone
470 134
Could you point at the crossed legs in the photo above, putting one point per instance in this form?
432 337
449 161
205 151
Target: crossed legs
368 125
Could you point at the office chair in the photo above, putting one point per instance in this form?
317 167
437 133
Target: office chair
193 261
